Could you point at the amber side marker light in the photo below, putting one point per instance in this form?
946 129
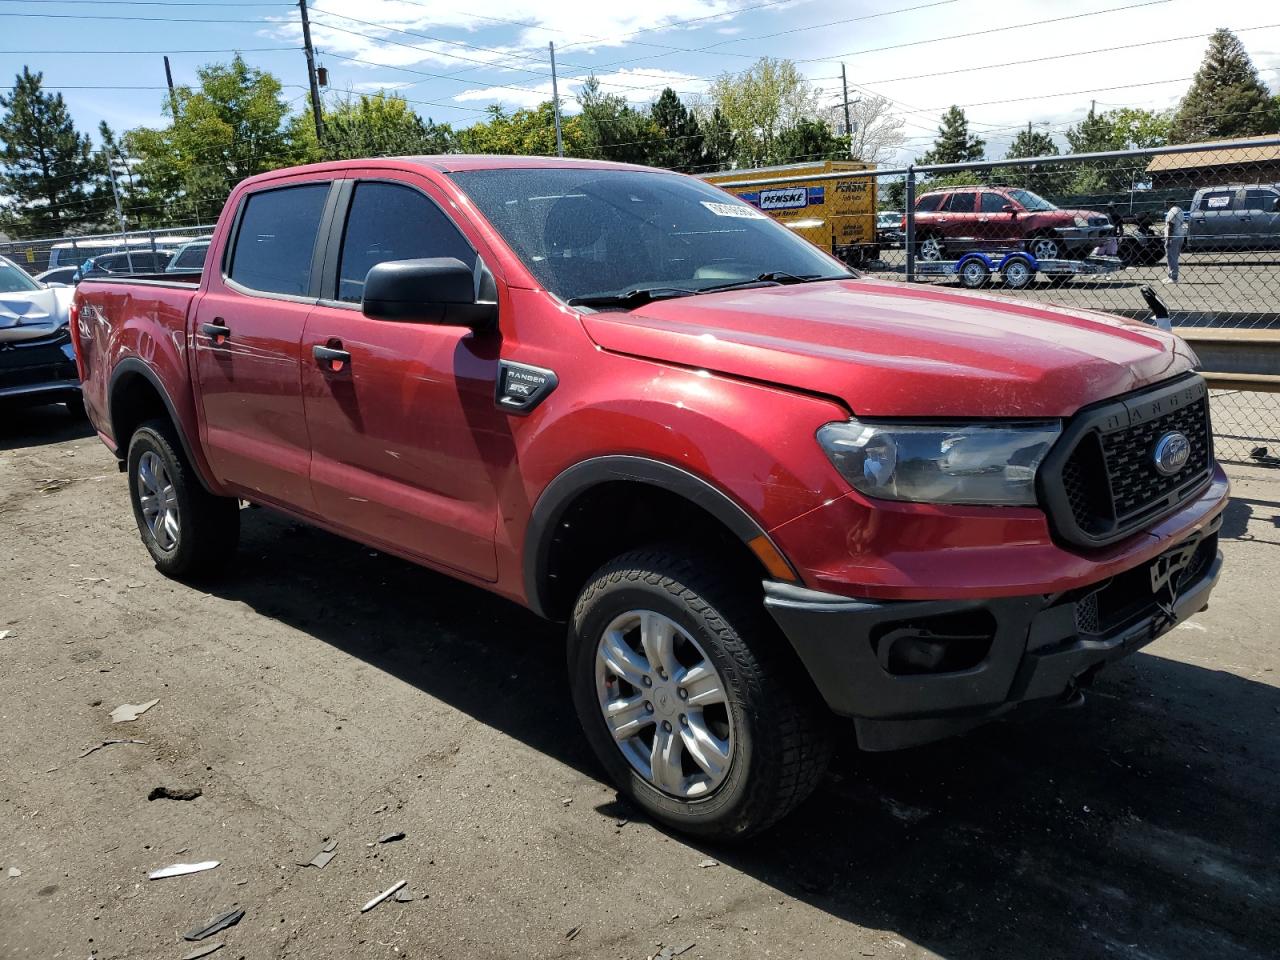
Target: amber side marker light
773 561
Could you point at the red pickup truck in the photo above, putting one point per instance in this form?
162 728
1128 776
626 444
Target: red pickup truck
764 492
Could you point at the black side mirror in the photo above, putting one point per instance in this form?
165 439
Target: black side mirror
1009 208
441 290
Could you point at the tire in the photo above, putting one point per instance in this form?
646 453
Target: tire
974 275
1017 274
1046 247
772 737
929 248
193 533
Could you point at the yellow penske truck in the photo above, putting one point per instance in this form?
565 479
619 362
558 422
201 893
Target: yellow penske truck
838 215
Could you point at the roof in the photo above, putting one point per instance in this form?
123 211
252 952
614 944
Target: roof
1232 156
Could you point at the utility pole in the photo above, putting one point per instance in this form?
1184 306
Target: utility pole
115 193
173 97
555 97
311 71
848 124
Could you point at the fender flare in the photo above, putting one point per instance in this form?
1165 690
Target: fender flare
132 365
560 493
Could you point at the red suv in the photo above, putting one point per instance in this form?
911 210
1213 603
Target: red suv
959 220
762 492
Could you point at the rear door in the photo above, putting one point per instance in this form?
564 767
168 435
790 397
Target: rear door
248 334
1214 223
959 221
402 429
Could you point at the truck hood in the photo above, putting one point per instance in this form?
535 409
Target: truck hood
890 350
29 315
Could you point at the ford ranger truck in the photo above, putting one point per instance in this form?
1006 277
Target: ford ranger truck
764 493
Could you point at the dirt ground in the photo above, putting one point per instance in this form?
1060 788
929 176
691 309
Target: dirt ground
321 691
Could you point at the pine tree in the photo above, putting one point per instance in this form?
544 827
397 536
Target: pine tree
681 146
1226 99
719 142
49 172
954 143
1040 179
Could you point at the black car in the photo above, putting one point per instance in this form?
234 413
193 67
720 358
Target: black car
124 264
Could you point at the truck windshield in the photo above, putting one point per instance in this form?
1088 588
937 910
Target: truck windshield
587 233
1031 201
14 279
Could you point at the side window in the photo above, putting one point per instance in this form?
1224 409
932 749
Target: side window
960 203
392 222
929 202
276 238
1218 200
1260 200
994 203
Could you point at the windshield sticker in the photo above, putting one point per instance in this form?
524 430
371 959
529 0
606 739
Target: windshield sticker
732 210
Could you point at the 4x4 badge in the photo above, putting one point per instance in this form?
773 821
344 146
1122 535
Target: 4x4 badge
522 387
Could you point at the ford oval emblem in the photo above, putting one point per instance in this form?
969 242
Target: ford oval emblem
1172 452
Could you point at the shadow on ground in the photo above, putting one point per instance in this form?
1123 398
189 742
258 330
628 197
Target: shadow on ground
39 426
1145 824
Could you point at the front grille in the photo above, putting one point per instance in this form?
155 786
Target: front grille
1101 480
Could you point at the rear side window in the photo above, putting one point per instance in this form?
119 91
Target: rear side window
929 202
276 238
1219 200
392 222
960 203
192 257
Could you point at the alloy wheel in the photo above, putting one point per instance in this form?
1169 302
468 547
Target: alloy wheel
158 500
665 704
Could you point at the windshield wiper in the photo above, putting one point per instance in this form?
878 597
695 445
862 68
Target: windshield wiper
632 298
774 277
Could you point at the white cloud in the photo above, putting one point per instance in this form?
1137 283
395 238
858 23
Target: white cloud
636 86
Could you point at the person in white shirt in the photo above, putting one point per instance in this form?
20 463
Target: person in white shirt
1175 232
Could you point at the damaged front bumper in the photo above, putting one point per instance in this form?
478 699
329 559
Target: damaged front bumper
909 672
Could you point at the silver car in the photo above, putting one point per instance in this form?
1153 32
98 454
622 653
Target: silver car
37 360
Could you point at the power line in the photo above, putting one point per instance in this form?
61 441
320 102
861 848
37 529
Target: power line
156 52
1066 56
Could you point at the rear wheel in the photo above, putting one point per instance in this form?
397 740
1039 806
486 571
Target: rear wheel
1017 274
690 700
930 248
187 530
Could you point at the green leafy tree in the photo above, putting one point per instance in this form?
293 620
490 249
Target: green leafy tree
719 145
527 132
376 125
682 144
50 180
231 127
1045 179
1126 129
954 143
1226 98
760 103
809 140
613 130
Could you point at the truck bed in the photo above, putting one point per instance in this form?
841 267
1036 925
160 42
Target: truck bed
135 326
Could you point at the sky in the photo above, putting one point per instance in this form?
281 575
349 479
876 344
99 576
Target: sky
1037 61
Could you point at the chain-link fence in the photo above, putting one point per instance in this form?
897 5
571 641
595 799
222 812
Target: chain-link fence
1195 226
152 248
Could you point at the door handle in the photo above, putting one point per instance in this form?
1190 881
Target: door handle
218 333
332 359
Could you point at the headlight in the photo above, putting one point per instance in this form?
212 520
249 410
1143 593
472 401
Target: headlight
978 463
1082 221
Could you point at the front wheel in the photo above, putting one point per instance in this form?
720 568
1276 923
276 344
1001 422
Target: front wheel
689 698
187 530
1045 247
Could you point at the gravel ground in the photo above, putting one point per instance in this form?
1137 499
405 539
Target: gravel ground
322 692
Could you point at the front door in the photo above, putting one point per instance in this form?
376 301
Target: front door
248 334
998 226
403 425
